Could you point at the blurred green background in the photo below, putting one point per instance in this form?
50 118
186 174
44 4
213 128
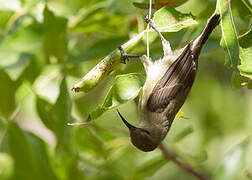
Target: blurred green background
46 47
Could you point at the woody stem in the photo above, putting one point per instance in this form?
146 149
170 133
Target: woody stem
170 156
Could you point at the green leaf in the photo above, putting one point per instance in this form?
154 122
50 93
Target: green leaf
229 39
44 110
85 14
6 166
55 35
125 88
48 82
245 42
16 69
7 92
248 5
106 65
25 147
233 164
3 125
243 7
57 116
61 115
160 3
30 3
5 15
238 81
169 19
150 167
97 50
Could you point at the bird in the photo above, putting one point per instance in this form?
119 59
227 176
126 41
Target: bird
168 83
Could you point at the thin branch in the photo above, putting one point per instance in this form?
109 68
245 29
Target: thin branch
170 156
148 28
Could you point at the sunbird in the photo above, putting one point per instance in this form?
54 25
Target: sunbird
168 83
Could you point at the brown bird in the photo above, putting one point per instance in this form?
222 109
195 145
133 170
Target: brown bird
168 82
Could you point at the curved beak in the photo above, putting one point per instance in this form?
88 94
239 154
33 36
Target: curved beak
131 127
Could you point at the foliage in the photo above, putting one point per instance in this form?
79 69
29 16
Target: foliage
47 46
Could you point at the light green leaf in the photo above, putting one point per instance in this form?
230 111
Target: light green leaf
248 5
243 7
84 15
160 3
25 147
10 5
106 65
229 37
238 81
57 116
246 54
125 88
169 19
16 68
3 125
61 115
234 162
6 166
44 110
55 35
5 16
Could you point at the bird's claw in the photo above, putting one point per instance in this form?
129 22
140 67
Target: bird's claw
124 55
149 20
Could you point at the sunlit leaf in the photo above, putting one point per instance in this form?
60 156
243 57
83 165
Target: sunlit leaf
48 82
248 4
97 50
233 164
84 14
229 39
29 3
16 69
5 16
55 35
169 19
239 81
57 116
6 166
245 42
61 114
160 3
25 147
10 5
125 88
244 7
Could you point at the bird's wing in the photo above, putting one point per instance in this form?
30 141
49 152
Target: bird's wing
177 79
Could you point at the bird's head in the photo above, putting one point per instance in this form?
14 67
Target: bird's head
141 138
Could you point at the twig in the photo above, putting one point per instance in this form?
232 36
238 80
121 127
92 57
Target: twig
170 156
148 28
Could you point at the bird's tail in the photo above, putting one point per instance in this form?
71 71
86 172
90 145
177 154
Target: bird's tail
198 43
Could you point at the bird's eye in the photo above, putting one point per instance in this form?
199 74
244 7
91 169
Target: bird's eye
145 131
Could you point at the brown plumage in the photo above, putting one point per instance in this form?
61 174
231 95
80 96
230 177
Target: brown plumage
168 83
